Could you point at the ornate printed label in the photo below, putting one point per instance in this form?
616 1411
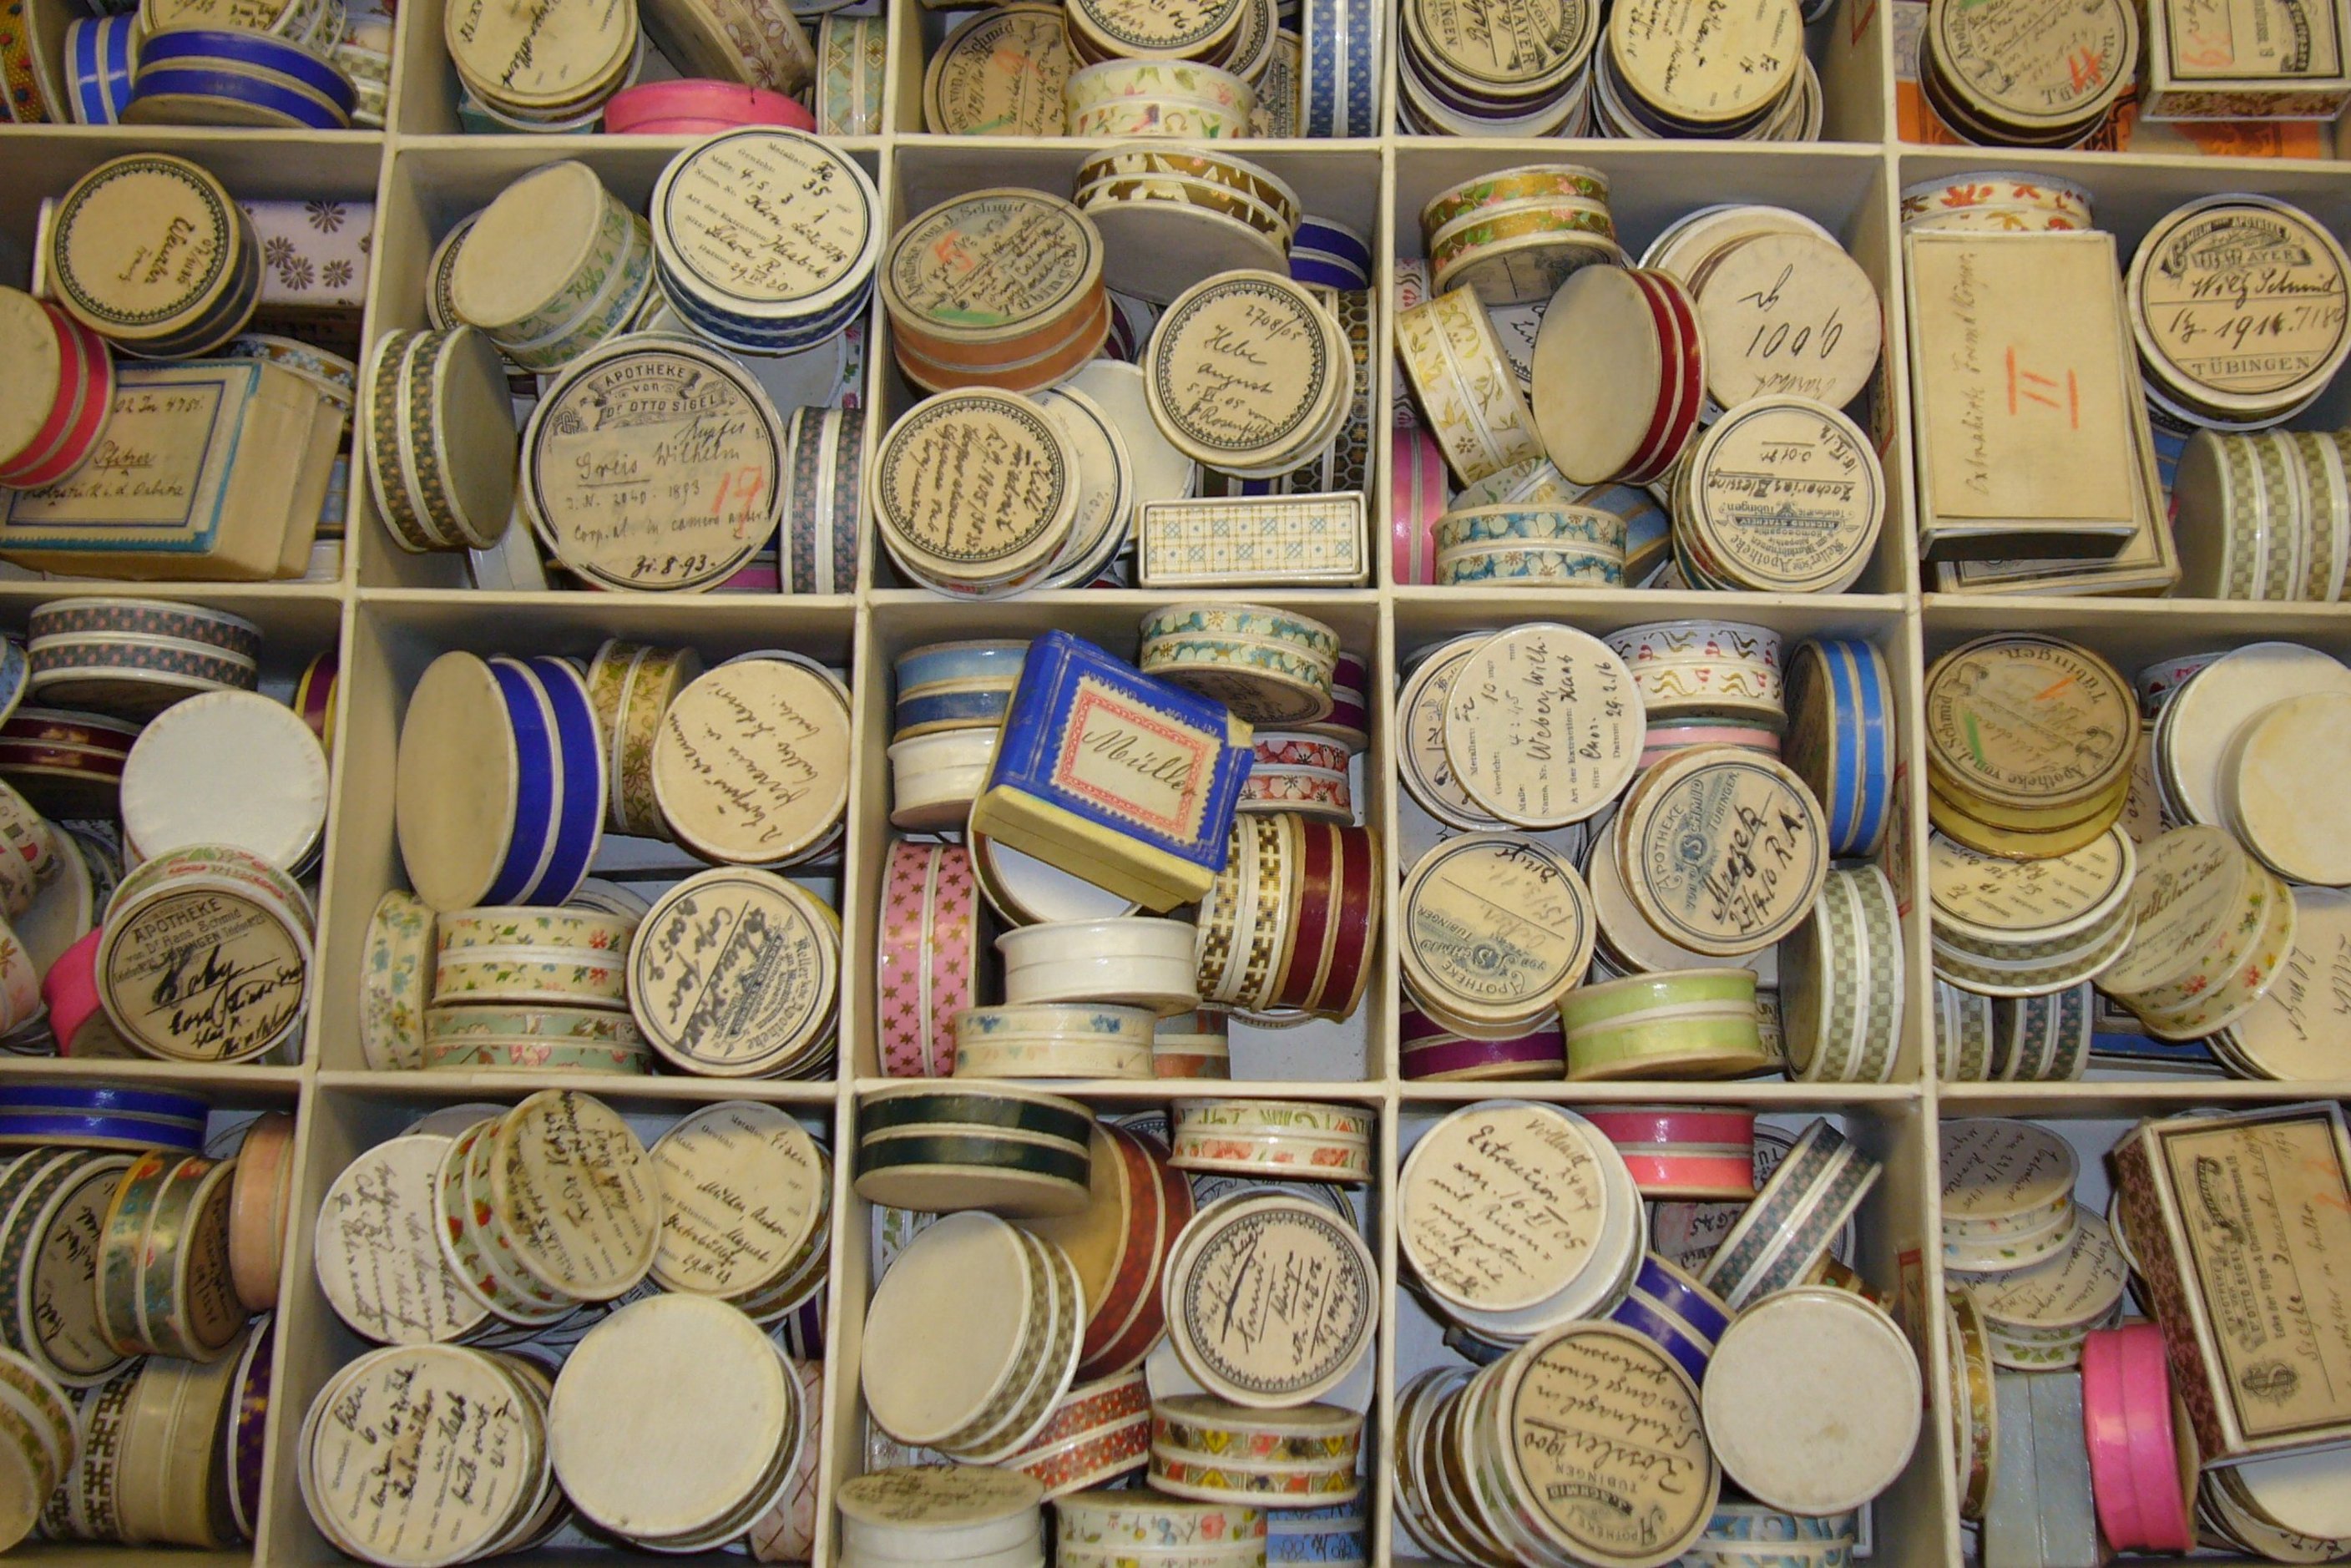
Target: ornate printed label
1497 922
731 968
2243 298
1243 368
2029 720
1157 27
162 458
1726 853
655 465
1606 1431
1134 762
976 485
1512 41
1790 496
2236 39
2038 59
992 261
550 51
204 976
1000 74
139 242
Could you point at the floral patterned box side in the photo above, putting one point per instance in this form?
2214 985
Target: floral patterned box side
314 254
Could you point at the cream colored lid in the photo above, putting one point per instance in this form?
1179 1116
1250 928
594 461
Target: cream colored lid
1310 1290
1517 43
2240 301
1500 1205
528 245
1788 492
547 54
454 795
947 1325
772 219
1495 926
1243 368
2191 883
1787 315
2034 899
735 971
29 348
975 486
1708 62
576 1194
1000 74
1544 726
1722 848
2204 714
667 1415
1812 1400
2282 786
227 767
1161 473
742 1189
1594 425
2298 1028
1095 1237
1996 1170
2032 65
248 993
1146 27
994 263
142 245
2029 721
377 1254
938 1497
654 462
61 1289
2077 1286
1636 1485
751 766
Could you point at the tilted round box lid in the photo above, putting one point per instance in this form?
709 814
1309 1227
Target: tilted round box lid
948 1326
1995 1171
740 1185
454 795
991 265
1544 726
575 1191
735 973
227 767
1773 1426
516 255
751 766
144 246
975 486
2282 786
2029 721
999 73
1500 1206
378 1260
1245 369
1722 848
1310 1271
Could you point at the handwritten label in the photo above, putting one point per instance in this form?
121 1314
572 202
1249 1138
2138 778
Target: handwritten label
1789 497
992 261
1000 74
1787 314
204 976
742 1189
1707 60
2267 1213
2079 1285
164 446
377 1254
1544 726
655 465
1999 1171
65 1278
574 1191
2019 380
1275 1301
770 219
1157 27
1495 923
141 243
1135 762
423 1453
2022 896
2037 61
731 970
1725 853
553 52
975 486
1502 1206
752 762
1243 368
1606 1430
2297 1028
2243 300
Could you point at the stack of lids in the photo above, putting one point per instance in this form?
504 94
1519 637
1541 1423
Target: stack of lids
165 1231
107 225
509 1232
500 792
1509 1286
1186 100
136 657
1119 1244
381 1266
208 75
2014 928
1706 683
1740 76
100 55
440 439
55 403
2214 928
61 1197
552 267
1171 217
1644 1450
1270 1139
1266 665
2264 516
745 1016
1494 928
977 1380
737 1436
1782 495
1291 923
977 533
1514 237
254 919
1840 707
358 1425
1254 1246
1301 773
1248 374
999 72
1066 1041
66 763
1217 33
2000 74
2039 1038
169 1454
1216 1450
1099 1529
697 413
766 239
1465 73
1998 203
2036 1317
1841 982
550 69
2203 734
1634 425
2007 1193
951 699
2273 264
1689 1023
998 287
941 1148
944 1515
2029 744
101 1116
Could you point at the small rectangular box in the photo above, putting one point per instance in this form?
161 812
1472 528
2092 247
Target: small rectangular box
2245 60
2242 1225
1127 781
1253 541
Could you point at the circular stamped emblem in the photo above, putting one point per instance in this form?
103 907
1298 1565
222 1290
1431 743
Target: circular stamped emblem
209 974
2036 65
1788 495
1722 849
1520 44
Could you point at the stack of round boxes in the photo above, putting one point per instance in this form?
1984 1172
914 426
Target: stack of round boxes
2000 77
96 238
216 75
951 699
550 72
999 288
556 265
56 405
1746 77
1461 73
524 987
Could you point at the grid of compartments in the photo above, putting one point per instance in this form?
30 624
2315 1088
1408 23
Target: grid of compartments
394 613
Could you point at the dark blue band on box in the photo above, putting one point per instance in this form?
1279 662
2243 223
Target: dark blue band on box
175 82
534 784
579 828
972 709
197 45
70 1129
100 1099
1668 1336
